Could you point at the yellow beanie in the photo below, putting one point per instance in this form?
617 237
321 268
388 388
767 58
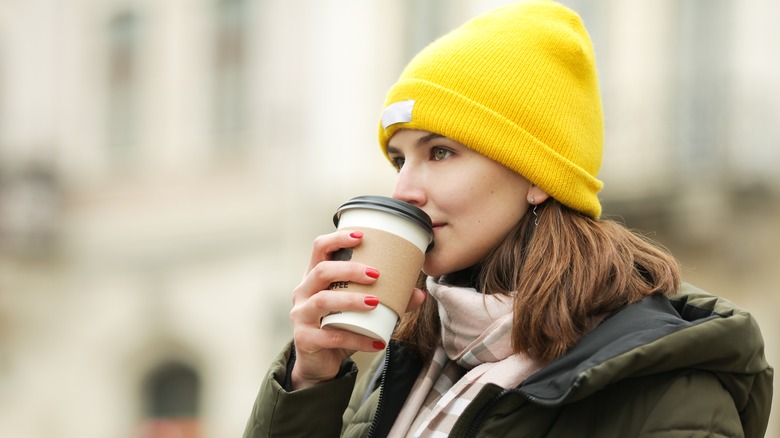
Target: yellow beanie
518 85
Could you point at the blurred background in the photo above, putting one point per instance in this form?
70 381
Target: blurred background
166 164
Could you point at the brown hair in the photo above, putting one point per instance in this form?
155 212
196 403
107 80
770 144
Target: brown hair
569 271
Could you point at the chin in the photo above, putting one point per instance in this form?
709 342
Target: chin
437 268
433 271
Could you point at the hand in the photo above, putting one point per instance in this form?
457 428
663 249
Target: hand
320 352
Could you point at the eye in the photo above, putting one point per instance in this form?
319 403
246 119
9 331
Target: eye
440 153
398 162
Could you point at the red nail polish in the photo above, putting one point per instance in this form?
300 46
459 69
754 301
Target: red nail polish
379 345
371 272
371 300
356 234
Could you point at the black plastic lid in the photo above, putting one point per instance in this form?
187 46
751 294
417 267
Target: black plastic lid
390 205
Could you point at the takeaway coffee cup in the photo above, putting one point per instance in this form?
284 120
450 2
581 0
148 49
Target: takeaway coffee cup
396 236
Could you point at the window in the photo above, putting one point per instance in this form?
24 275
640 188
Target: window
171 398
702 77
427 21
123 36
230 69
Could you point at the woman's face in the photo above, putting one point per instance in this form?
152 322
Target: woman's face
472 200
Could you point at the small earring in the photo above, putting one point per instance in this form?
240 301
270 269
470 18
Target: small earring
531 201
536 216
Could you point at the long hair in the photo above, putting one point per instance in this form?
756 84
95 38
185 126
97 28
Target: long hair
566 272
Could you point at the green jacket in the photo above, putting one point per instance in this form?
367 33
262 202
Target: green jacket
689 366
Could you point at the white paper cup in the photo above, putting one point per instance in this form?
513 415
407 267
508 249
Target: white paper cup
396 236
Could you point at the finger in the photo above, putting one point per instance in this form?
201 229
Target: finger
311 311
328 272
311 341
320 352
418 297
327 244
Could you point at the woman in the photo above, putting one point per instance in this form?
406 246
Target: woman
534 317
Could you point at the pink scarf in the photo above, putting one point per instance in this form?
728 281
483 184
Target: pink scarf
476 349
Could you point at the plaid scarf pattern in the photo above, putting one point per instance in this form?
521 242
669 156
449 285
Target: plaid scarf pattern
475 349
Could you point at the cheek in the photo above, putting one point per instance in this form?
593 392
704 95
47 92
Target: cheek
492 228
481 214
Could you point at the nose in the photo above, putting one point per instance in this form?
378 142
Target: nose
409 186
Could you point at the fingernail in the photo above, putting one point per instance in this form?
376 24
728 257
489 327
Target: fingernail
379 345
371 300
356 234
371 272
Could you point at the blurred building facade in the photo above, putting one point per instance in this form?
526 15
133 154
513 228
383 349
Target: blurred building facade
165 165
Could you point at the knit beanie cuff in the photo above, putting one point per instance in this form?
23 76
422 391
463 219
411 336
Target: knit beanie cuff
442 111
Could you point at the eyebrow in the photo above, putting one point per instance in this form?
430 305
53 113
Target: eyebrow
420 141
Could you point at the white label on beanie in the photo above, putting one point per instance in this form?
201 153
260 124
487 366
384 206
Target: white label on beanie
398 112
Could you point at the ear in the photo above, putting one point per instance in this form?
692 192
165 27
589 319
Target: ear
536 195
